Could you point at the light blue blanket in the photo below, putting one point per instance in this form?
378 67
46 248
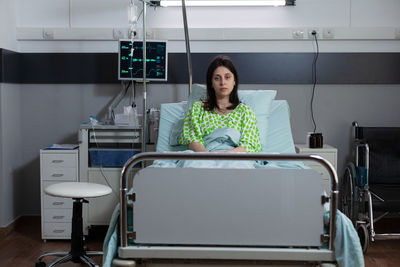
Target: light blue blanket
348 249
221 140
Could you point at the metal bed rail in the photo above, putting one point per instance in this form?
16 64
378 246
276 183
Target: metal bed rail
224 156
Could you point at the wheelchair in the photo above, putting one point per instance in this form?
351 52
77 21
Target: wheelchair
370 189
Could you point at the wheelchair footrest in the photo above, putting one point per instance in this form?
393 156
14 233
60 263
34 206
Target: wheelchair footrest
386 236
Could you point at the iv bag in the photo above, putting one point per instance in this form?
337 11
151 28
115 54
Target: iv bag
132 19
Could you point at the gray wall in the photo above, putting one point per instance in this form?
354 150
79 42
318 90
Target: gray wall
11 152
34 116
10 148
53 113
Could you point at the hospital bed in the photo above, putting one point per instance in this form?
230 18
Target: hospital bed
207 216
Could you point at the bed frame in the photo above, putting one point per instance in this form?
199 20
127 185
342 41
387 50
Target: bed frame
235 215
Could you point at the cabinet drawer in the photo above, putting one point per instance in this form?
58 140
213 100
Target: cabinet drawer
320 169
57 215
69 174
57 161
331 157
61 230
324 173
50 202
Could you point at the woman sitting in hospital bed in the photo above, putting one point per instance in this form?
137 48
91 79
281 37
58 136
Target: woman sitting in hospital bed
221 110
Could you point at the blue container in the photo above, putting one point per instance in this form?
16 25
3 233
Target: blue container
110 157
362 176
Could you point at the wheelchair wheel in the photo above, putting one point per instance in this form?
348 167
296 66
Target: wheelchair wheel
363 234
349 193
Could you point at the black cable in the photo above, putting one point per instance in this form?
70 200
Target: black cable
314 79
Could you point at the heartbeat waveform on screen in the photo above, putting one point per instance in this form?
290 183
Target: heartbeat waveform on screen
158 73
159 48
141 60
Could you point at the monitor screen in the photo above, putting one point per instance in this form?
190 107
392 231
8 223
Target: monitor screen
130 66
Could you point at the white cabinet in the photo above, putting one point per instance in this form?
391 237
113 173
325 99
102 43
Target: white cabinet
57 166
327 152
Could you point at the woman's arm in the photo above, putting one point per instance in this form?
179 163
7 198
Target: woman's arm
192 132
237 149
197 147
250 138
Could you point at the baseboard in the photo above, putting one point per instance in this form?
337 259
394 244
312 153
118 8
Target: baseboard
17 223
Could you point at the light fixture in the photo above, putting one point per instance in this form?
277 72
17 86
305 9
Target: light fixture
227 3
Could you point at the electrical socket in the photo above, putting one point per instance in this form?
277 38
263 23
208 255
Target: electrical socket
119 33
310 33
298 33
397 33
48 34
150 35
328 33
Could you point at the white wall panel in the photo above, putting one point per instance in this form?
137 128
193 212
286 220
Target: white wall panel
43 13
376 13
217 46
99 13
8 24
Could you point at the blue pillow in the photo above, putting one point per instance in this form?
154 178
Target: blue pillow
279 135
258 100
168 134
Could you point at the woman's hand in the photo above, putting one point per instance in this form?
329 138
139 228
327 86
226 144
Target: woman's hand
238 149
197 147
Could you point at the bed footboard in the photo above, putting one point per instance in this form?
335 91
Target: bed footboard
213 212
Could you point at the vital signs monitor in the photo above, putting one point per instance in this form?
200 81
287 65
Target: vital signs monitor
130 61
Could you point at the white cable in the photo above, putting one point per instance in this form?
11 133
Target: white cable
101 166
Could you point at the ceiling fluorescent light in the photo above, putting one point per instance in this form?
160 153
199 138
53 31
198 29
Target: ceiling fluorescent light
224 3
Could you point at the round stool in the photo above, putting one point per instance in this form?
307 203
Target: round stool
78 192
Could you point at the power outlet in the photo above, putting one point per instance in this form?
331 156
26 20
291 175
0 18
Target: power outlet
48 34
119 33
328 33
150 35
397 33
298 33
310 32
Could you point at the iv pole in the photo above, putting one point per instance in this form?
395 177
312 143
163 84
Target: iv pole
144 118
188 54
189 61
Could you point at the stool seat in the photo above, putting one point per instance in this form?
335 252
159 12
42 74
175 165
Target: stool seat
77 190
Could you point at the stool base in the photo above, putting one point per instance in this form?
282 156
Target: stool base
77 253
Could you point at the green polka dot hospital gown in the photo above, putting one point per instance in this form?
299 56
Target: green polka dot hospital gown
200 123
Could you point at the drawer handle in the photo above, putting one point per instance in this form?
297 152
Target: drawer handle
58 203
58 231
57 175
58 217
57 161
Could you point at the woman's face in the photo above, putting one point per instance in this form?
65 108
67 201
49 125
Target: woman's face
223 82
